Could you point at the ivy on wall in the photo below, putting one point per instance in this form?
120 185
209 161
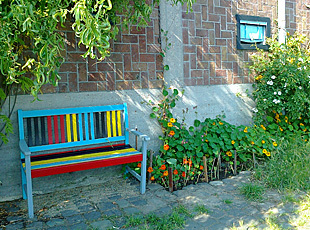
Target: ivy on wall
31 46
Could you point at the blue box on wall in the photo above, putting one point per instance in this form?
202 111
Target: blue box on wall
252 32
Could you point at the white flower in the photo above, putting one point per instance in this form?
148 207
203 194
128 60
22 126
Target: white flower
266 99
254 110
305 67
269 82
300 59
299 87
276 101
285 85
279 93
308 76
299 68
273 77
275 93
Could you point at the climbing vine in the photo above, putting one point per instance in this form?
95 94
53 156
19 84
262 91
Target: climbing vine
31 43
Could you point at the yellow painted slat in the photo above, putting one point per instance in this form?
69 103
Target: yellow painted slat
74 126
68 123
114 124
119 123
80 157
109 124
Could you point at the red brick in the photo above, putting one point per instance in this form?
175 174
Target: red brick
192 28
105 66
196 73
68 67
137 30
193 61
102 86
185 36
206 77
219 10
71 41
63 88
135 53
185 57
96 77
189 15
196 41
215 81
190 82
214 18
136 85
204 12
122 48
186 69
210 6
147 58
150 35
137 66
92 66
201 33
73 82
156 84
159 75
144 80
151 70
123 85
153 48
200 81
215 49
116 57
119 71
212 69
82 72
131 75
189 49
48 88
142 44
63 77
220 42
223 22
237 80
202 65
127 62
226 34
208 25
88 87
220 73
110 81
159 62
217 28
130 39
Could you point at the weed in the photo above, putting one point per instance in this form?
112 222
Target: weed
133 221
252 191
200 209
227 201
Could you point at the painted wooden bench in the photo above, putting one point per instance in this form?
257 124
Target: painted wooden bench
73 139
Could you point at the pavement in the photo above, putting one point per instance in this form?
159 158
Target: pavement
108 206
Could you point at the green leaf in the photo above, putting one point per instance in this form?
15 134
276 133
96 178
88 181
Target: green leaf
152 115
199 154
172 161
165 92
191 129
175 92
197 123
166 67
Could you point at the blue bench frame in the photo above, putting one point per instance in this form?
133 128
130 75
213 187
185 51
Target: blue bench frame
55 129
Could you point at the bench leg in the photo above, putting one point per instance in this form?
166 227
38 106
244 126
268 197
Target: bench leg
24 182
29 186
143 167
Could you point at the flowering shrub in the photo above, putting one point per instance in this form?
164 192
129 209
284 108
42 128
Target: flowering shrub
282 80
184 147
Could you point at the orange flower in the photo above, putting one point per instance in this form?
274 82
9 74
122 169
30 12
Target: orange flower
170 124
175 172
228 153
150 170
185 161
221 123
183 174
172 120
207 140
166 147
245 129
163 167
139 165
201 167
233 142
252 142
171 133
190 162
263 127
165 173
152 178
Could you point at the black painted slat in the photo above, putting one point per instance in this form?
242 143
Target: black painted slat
97 127
36 131
29 132
43 137
104 130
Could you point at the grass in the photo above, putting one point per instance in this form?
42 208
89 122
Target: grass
252 191
303 213
288 167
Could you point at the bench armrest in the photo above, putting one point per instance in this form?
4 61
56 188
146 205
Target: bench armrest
139 134
24 147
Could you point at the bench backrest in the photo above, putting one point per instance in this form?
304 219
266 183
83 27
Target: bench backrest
71 127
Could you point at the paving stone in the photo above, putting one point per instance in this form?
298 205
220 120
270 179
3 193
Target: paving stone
113 212
103 206
69 212
58 228
162 211
86 208
115 197
131 210
14 226
216 183
123 203
14 218
91 216
35 225
102 225
79 226
139 202
55 222
75 219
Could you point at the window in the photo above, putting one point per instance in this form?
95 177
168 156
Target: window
252 32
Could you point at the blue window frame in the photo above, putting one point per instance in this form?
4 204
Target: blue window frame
252 32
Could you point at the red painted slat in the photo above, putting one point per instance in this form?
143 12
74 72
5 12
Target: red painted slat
50 154
49 130
62 128
56 132
85 165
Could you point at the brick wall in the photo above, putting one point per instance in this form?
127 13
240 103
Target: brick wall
134 63
209 37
